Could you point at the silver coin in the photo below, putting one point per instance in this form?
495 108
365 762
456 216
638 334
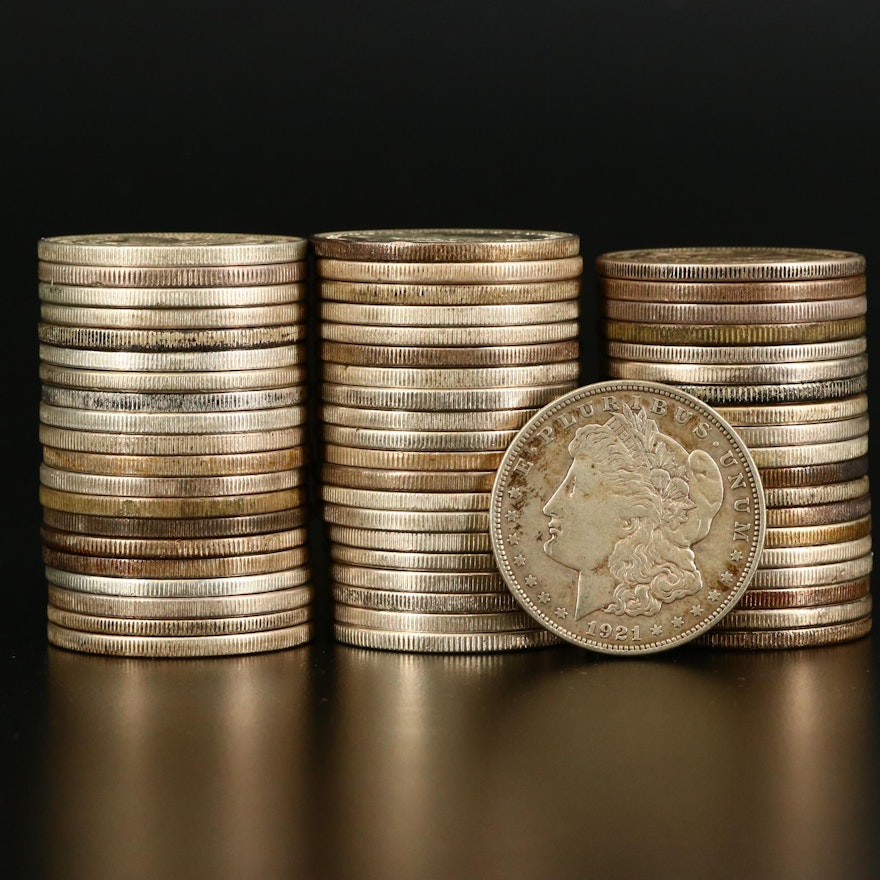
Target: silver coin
462 356
421 420
735 354
435 501
499 621
406 520
171 277
796 413
416 461
806 434
442 643
810 536
418 441
723 395
782 618
452 315
816 453
819 554
528 334
371 293
407 480
828 493
781 639
431 603
812 575
416 581
412 561
411 542
451 377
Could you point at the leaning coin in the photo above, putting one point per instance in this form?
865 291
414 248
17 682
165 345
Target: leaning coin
191 276
176 465
442 399
775 394
172 298
406 480
815 475
739 374
566 496
186 646
452 315
827 493
411 542
430 603
451 273
813 454
375 500
433 562
805 597
173 319
462 356
176 528
417 581
783 618
451 377
800 637
209 606
406 520
172 548
732 292
175 361
796 413
443 643
401 621
161 341
169 487
819 554
165 508
729 264
418 441
413 461
744 314
171 444
528 334
797 435
166 383
183 627
361 293
155 402
732 334
812 575
422 420
819 514
179 588
807 536
735 354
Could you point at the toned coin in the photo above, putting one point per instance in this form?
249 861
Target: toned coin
812 575
175 361
528 334
405 480
447 294
814 475
736 354
176 465
796 435
808 536
179 588
401 621
166 276
451 377
782 639
463 356
450 316
166 508
796 413
422 420
183 646
418 441
183 627
417 581
730 264
815 453
442 399
412 561
173 319
209 606
411 542
783 618
414 461
425 603
442 643
720 395
618 471
171 444
166 383
732 292
745 314
434 501
179 529
738 374
805 596
172 298
406 520
445 245
155 402
827 493
482 272
819 514
732 334
161 249
156 341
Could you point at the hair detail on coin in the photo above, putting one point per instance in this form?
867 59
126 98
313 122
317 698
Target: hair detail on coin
633 503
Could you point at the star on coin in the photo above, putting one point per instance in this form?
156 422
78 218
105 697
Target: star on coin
696 610
678 622
512 515
519 559
713 595
736 556
513 538
532 581
515 492
543 598
725 577
656 630
561 612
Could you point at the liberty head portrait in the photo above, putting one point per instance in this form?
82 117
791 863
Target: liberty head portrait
628 512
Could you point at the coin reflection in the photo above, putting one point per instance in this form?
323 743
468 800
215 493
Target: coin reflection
179 768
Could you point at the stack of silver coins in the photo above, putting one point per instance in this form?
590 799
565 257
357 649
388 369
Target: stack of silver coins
774 340
172 426
437 346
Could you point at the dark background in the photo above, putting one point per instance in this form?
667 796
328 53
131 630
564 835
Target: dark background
631 123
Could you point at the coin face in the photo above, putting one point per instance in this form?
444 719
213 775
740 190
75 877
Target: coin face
627 517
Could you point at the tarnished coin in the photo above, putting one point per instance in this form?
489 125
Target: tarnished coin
411 542
732 292
814 475
809 433
818 514
451 273
827 493
442 643
412 561
775 394
445 245
800 637
813 454
406 480
173 277
796 413
736 354
808 536
620 472
783 618
528 334
423 420
183 646
744 314
805 597
406 520
412 461
172 298
463 356
425 603
449 316
418 441
448 294
451 377
173 319
161 249
818 554
812 575
401 621
375 500
729 264
417 581
732 334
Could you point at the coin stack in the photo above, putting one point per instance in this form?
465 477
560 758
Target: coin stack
437 346
774 340
172 425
